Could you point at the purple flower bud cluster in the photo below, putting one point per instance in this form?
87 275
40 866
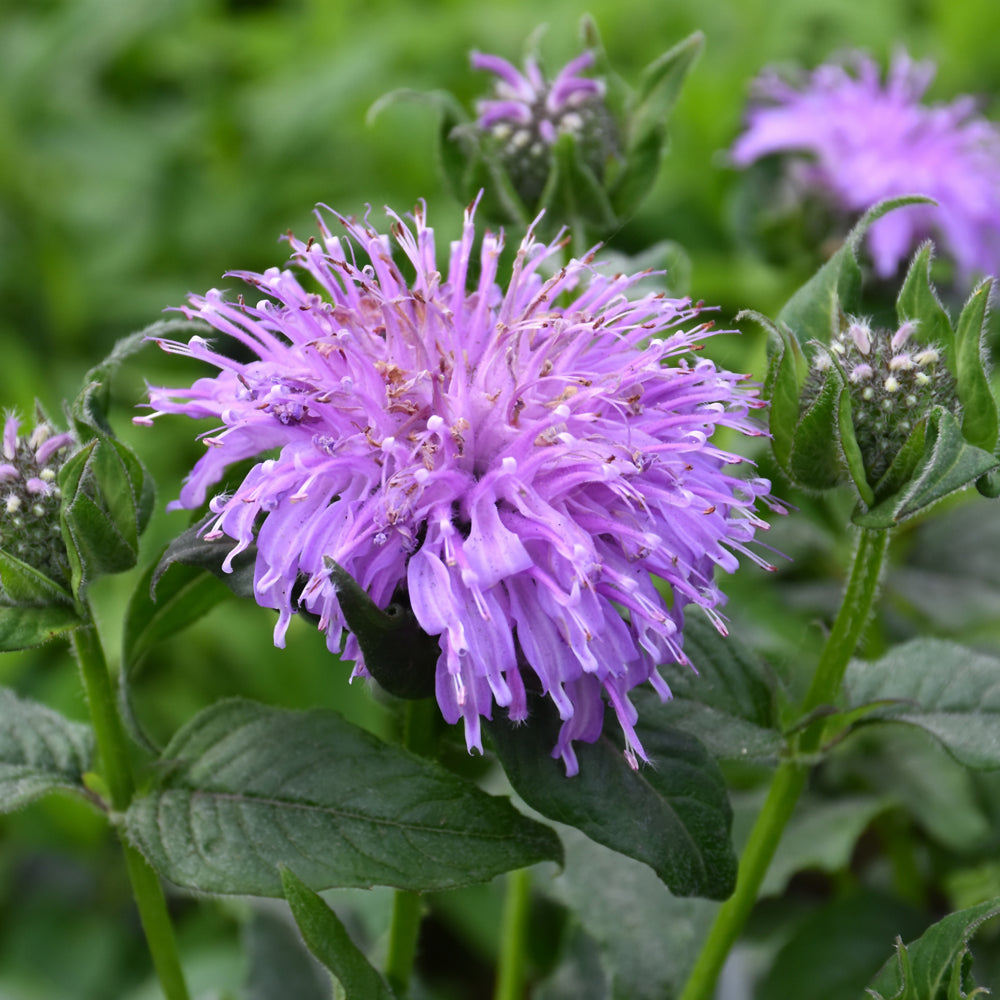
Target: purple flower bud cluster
858 140
526 115
530 467
29 496
892 382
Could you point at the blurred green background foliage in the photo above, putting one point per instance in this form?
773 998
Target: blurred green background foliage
147 146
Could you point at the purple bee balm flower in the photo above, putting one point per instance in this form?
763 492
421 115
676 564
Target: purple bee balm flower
517 463
864 140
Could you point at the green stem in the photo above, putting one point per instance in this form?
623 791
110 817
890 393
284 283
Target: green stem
113 748
420 731
403 933
517 907
790 778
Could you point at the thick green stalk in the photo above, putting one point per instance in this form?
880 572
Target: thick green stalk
420 736
517 907
790 778
113 747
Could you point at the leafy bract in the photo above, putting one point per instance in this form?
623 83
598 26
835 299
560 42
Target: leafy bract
936 965
244 788
327 938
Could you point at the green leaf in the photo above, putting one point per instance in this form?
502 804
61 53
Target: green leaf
935 966
673 815
980 422
279 964
948 690
40 751
106 500
638 174
821 835
786 375
572 192
903 465
832 949
918 300
328 940
659 87
817 461
813 312
33 608
245 787
191 549
727 701
949 464
628 914
163 604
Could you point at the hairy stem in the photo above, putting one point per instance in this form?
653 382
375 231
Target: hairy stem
790 778
113 748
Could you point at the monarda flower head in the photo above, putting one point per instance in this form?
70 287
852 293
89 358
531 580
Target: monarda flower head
856 140
29 496
516 464
526 114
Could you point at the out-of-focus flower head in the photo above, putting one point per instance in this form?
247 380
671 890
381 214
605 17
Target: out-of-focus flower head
581 146
857 140
29 496
515 464
526 115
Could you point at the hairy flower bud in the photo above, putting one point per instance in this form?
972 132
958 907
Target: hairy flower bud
29 496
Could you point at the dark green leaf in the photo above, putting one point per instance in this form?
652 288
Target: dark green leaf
821 835
398 653
33 608
934 967
329 941
40 751
659 87
949 464
673 815
191 549
813 312
817 462
728 704
918 300
245 787
980 422
903 465
948 690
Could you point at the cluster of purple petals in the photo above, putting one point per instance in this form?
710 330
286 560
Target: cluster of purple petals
520 462
865 140
526 100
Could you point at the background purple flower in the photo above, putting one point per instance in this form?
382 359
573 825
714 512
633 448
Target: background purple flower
862 140
518 463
